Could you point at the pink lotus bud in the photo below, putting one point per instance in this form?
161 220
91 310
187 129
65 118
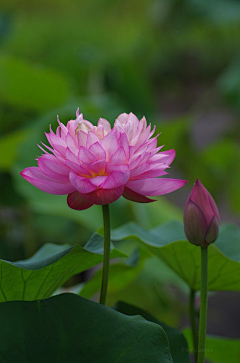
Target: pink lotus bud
201 217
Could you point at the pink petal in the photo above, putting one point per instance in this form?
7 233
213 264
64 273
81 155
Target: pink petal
123 142
54 164
36 177
97 150
75 201
158 186
135 197
71 157
214 207
82 184
110 143
57 143
103 196
85 156
169 158
64 130
200 196
147 168
106 125
73 163
71 127
71 145
79 169
119 157
110 167
195 224
98 180
116 179
98 167
91 139
122 119
213 231
82 138
54 169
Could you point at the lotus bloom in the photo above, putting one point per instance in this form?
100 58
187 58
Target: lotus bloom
97 164
201 217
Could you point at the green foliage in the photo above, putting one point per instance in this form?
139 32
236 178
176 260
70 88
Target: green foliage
218 349
168 243
120 275
69 328
41 275
9 145
43 88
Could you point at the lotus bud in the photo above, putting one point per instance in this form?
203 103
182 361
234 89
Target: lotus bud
201 217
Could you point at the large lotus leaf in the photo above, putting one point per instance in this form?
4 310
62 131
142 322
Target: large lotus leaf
39 276
68 328
177 342
218 349
169 243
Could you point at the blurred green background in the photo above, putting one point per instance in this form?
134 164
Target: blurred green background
175 61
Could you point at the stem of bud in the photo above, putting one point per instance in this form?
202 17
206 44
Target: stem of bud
203 305
192 317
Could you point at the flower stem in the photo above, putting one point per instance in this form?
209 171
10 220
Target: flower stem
106 256
203 305
192 314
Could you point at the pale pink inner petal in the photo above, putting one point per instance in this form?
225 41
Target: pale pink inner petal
98 180
97 150
106 125
72 145
81 138
110 144
85 156
119 157
91 139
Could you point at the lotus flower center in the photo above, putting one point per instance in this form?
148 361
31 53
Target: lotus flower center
83 126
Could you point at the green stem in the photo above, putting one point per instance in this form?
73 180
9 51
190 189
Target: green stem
106 256
192 314
203 305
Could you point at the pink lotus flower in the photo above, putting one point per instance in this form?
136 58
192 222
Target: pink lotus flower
97 164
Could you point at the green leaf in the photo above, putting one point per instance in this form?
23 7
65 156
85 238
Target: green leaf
169 244
120 275
218 349
41 275
177 342
68 328
31 87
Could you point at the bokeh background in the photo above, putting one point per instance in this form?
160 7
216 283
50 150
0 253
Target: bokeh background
175 61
